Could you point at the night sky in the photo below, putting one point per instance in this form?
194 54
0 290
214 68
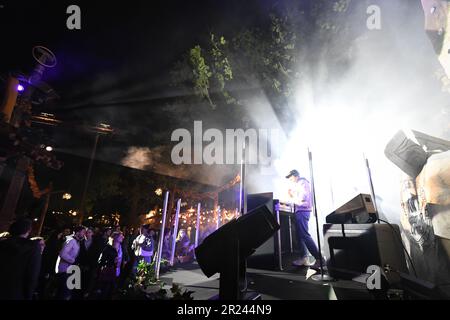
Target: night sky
115 69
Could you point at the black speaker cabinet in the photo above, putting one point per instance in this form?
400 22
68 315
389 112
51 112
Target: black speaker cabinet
265 256
351 248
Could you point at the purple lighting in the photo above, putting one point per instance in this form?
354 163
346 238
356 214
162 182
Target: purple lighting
20 88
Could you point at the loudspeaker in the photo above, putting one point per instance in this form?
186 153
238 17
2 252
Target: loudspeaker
358 210
251 230
409 150
352 248
265 255
226 250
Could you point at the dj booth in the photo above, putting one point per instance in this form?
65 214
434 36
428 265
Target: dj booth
352 238
271 255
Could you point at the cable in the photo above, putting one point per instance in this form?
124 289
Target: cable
403 246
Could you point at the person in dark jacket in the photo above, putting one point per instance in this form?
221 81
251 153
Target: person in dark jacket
110 263
87 260
20 263
47 279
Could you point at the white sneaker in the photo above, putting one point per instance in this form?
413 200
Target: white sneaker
300 262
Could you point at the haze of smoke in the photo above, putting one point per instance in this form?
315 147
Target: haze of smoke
388 86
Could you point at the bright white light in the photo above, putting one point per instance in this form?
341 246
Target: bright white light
67 196
49 148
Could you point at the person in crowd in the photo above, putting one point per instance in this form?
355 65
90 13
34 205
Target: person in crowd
110 263
143 246
53 245
127 263
97 232
87 260
41 243
66 232
125 245
20 261
67 258
167 244
100 241
184 249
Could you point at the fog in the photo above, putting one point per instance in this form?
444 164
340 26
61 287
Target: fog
388 85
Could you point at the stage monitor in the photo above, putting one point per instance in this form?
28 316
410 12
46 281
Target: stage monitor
250 230
358 210
351 248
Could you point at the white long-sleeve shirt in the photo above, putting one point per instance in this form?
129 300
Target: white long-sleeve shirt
67 255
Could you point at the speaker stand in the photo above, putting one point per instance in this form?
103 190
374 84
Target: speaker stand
322 277
233 275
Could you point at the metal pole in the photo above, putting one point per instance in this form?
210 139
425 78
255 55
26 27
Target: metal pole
332 193
323 277
88 177
161 236
197 224
218 218
372 191
242 189
175 232
291 246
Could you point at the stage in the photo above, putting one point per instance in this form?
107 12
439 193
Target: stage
293 283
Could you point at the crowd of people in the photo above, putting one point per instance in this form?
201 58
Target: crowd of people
35 268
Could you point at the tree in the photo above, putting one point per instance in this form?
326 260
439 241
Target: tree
299 38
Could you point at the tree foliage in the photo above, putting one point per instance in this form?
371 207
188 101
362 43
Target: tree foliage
272 56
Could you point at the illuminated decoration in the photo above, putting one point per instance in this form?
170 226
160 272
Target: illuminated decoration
46 118
90 217
103 128
73 213
150 214
67 196
158 192
20 88
49 148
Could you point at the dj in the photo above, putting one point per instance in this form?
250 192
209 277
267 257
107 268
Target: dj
300 195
